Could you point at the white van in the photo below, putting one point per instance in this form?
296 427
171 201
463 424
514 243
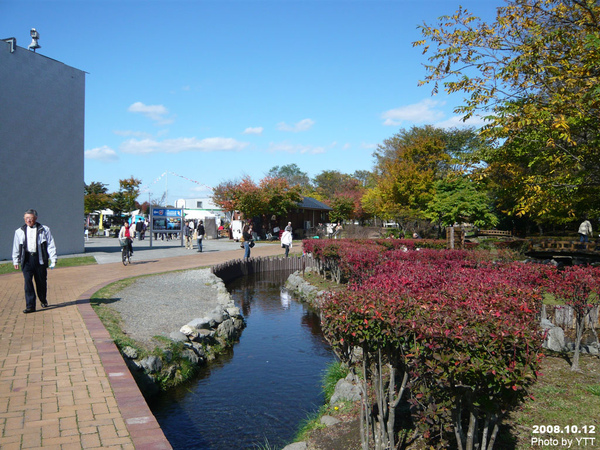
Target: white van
236 229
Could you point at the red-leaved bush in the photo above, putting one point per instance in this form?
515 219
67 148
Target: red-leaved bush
578 288
454 328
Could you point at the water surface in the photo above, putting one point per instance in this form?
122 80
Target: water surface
264 388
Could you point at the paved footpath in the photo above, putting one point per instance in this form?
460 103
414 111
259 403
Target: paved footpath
63 383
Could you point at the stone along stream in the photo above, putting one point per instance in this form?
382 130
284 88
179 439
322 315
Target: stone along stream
264 388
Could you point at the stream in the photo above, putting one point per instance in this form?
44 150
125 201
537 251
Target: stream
259 393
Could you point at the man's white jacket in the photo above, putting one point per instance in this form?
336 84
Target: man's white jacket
46 249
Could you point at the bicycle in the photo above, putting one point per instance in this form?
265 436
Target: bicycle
125 253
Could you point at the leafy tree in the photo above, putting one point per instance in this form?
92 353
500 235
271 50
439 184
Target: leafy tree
408 165
364 177
249 199
272 196
342 208
458 200
95 187
96 197
278 196
343 193
224 195
330 182
124 201
291 173
535 73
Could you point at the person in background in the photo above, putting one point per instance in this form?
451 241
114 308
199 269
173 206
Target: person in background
187 235
289 227
585 230
200 235
247 235
34 250
139 227
286 242
338 231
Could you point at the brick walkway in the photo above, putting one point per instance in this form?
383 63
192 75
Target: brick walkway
63 383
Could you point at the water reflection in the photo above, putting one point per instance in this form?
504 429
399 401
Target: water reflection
263 388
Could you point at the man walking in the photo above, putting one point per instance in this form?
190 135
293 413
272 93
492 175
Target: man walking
34 251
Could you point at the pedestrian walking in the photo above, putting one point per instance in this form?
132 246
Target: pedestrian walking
585 230
34 250
200 235
286 242
248 240
187 233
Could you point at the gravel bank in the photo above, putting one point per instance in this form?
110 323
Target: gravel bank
160 304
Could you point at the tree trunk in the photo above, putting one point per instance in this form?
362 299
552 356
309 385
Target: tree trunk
364 406
580 324
471 438
457 418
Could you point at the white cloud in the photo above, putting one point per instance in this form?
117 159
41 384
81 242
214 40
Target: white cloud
424 111
457 122
147 146
303 125
254 130
139 134
368 146
286 147
104 154
156 113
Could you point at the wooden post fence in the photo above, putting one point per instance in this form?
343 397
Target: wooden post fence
236 268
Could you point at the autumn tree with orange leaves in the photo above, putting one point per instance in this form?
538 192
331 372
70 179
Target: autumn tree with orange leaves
271 196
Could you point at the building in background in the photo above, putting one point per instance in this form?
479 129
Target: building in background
202 209
42 113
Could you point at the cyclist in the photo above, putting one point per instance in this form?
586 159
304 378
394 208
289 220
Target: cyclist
125 237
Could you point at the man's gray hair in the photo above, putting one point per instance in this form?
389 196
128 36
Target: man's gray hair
31 211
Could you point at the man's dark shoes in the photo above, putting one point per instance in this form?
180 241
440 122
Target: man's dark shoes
28 310
44 304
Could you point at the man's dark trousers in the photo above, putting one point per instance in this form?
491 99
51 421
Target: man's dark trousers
33 270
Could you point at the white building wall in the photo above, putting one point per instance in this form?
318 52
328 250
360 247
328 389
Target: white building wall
42 108
193 203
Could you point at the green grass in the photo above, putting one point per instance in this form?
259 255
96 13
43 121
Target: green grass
594 389
335 372
7 267
265 446
561 397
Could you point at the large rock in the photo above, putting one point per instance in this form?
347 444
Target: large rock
178 336
329 421
346 389
216 317
130 352
555 337
190 332
296 446
227 330
151 364
233 311
200 323
190 355
204 336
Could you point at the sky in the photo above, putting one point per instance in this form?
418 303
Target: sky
187 94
